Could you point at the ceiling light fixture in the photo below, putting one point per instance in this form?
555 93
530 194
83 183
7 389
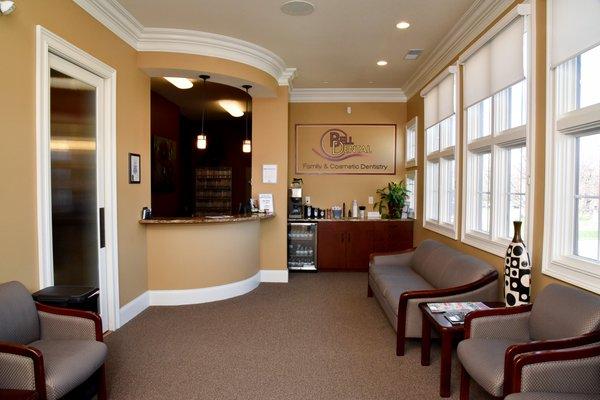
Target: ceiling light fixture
297 8
402 25
201 141
180 83
382 63
247 143
7 7
232 107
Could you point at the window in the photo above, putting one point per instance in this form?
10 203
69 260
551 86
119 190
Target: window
411 186
572 196
440 148
572 187
411 143
496 152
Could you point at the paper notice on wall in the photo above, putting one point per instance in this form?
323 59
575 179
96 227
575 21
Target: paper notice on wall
265 203
269 173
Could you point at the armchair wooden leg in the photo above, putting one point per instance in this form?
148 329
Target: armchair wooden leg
102 394
369 291
465 381
400 342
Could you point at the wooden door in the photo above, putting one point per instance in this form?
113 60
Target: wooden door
359 245
331 246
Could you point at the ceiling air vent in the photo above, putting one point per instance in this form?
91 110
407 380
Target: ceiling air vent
413 54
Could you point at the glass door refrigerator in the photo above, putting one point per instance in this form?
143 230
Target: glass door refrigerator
302 246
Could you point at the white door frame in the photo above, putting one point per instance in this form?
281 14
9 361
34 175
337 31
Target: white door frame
46 43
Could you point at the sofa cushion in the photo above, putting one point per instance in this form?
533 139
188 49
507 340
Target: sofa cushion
393 281
68 363
552 315
463 269
425 261
19 321
484 361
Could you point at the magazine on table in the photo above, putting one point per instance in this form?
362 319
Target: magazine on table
465 306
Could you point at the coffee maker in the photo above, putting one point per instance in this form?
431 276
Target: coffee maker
295 208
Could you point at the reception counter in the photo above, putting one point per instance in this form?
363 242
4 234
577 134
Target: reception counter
195 260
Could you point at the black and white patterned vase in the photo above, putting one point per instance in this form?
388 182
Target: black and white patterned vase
517 271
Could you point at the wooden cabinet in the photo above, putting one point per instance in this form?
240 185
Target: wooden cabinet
346 245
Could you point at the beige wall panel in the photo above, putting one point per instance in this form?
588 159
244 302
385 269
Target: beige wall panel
18 234
269 146
200 256
328 190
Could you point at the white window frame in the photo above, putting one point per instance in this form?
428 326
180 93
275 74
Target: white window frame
558 260
412 125
494 242
415 191
439 156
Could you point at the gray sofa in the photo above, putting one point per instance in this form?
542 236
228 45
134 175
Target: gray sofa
430 273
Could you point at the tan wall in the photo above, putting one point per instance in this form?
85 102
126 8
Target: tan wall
328 190
269 138
415 108
18 234
269 146
200 256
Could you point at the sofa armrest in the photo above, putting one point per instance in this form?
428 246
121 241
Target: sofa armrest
499 323
65 323
395 258
571 370
541 346
22 368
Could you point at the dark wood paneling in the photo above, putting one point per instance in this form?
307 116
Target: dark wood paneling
330 246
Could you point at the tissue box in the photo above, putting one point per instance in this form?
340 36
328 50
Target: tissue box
373 215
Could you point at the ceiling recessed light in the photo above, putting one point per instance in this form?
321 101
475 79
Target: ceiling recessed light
371 82
402 25
297 8
181 83
325 82
381 63
232 107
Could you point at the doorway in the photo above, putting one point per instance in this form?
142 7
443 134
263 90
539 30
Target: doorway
76 201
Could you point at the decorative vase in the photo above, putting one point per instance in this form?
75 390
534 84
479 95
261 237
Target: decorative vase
517 271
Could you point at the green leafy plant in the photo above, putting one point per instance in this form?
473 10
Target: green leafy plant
392 197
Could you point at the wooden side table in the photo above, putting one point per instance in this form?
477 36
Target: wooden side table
448 333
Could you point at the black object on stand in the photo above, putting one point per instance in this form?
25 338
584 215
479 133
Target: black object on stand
77 297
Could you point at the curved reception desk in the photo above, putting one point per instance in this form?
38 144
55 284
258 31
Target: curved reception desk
196 260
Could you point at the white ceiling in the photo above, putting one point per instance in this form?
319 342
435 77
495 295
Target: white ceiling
339 43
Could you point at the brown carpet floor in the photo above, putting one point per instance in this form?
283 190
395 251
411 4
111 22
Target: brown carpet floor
317 337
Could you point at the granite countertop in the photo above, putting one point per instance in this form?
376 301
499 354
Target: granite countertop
350 220
205 220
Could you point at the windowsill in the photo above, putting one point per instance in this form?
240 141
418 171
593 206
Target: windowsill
442 229
496 247
575 271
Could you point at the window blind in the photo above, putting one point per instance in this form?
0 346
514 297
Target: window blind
575 28
496 65
439 101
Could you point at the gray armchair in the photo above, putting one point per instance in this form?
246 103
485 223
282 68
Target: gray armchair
497 340
45 349
568 374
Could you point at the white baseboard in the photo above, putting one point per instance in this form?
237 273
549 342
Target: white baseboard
274 275
203 295
135 307
197 296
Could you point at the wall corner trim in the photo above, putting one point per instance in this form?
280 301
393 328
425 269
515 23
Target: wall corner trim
122 23
348 95
198 296
475 20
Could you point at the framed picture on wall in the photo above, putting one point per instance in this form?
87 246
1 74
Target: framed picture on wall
134 168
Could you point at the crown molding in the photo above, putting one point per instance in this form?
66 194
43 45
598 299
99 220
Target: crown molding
477 18
123 24
347 95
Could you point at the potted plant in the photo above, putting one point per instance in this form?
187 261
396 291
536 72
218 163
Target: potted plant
392 197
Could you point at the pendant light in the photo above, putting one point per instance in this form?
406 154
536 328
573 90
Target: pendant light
201 138
247 143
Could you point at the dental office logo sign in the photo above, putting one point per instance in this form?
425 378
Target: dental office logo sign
346 149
